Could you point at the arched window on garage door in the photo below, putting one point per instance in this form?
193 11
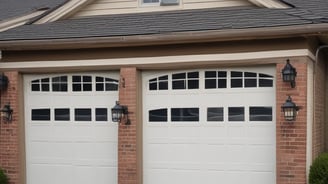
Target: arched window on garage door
79 83
210 79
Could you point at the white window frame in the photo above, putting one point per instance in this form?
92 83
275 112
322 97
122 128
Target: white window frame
143 4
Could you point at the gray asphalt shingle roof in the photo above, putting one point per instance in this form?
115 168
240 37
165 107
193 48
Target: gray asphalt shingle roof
303 12
14 8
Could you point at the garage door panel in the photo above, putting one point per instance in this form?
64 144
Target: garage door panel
51 150
69 131
159 152
231 140
184 153
84 175
184 176
51 174
94 150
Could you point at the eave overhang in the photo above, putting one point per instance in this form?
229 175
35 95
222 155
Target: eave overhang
168 38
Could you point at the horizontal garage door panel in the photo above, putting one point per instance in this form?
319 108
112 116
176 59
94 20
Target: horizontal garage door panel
70 137
201 135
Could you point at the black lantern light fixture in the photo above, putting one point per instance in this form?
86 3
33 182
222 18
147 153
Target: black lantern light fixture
7 113
119 113
289 109
289 73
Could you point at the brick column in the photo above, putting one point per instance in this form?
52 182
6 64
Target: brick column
291 136
127 136
9 131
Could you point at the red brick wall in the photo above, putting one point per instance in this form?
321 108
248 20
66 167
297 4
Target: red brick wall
318 144
9 132
127 139
291 137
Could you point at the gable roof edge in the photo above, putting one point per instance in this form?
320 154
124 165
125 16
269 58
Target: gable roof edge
270 3
18 21
63 11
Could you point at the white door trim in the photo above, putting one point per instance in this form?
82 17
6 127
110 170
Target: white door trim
231 57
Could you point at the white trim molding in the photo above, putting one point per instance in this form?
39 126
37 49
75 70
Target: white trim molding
310 116
231 58
269 3
18 21
63 11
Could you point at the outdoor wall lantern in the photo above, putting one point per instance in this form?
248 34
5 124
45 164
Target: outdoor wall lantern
289 73
120 113
3 82
289 109
7 113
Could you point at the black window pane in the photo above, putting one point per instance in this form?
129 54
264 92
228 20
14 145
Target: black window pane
99 79
260 113
193 75
250 83
163 85
158 115
165 77
236 74
62 115
236 114
87 78
185 114
76 78
153 86
46 80
59 83
153 80
265 82
215 114
77 87
193 84
265 75
111 87
210 74
87 87
179 84
41 114
222 83
59 87
101 114
210 83
45 87
222 74
82 114
179 76
61 79
250 74
100 87
36 87
236 83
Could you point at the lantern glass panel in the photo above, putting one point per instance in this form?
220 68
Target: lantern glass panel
116 115
290 114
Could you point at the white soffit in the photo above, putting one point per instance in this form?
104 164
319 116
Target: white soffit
64 11
269 3
18 21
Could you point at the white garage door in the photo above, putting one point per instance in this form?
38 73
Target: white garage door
209 126
70 138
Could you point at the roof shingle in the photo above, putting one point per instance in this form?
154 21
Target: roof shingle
304 12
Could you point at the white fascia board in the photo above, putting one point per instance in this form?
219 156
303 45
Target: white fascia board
63 11
269 3
140 61
18 21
